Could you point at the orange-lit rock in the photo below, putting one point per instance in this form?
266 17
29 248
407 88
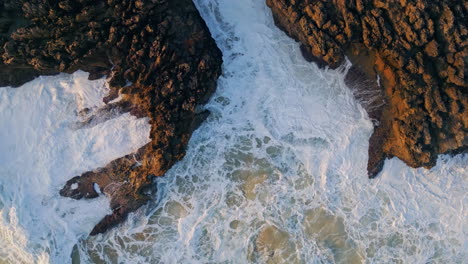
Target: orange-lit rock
163 48
418 48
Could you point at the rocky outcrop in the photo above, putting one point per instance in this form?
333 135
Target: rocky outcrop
418 48
160 57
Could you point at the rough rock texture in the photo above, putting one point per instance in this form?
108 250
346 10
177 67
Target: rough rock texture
418 48
162 47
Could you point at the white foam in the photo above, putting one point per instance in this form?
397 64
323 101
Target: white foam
41 151
276 115
96 188
284 139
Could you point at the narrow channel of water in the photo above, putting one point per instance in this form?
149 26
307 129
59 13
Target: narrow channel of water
277 174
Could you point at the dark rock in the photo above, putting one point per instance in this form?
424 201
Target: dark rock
418 48
162 47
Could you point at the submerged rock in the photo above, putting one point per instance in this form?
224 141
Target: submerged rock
418 49
274 245
162 47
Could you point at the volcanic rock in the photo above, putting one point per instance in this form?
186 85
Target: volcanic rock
161 47
417 48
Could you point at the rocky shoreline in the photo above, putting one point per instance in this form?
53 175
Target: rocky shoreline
418 49
162 48
161 59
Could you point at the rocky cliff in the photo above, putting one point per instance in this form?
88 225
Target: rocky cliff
159 56
418 50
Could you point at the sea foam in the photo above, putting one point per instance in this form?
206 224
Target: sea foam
40 151
277 174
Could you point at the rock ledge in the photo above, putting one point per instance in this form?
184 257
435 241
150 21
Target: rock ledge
418 49
162 47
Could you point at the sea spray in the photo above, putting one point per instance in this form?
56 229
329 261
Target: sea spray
277 174
41 150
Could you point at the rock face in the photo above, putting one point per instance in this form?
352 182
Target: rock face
162 47
418 49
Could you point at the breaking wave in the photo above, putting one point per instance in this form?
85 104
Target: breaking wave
277 174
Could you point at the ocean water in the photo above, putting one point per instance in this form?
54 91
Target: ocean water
40 150
277 174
